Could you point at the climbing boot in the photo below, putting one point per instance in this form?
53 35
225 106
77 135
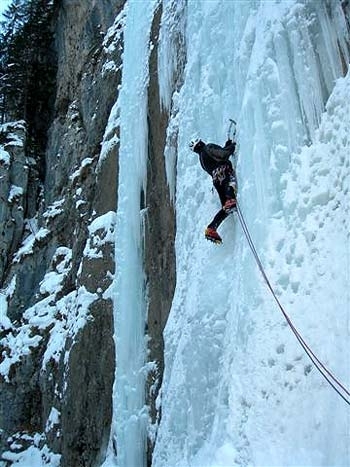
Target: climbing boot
212 235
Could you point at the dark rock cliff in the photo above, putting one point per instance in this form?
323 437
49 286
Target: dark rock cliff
57 250
160 233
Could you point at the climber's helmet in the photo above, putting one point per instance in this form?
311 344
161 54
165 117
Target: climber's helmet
194 143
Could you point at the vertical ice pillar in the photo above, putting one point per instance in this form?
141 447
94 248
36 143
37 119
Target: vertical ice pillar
129 412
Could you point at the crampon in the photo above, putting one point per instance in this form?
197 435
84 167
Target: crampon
212 235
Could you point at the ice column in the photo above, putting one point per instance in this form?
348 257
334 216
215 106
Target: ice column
129 413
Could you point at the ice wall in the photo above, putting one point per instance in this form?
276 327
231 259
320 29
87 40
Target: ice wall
238 389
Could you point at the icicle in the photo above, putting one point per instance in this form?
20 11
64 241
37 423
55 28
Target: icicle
130 307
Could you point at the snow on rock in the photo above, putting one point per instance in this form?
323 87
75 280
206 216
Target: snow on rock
30 451
15 346
101 231
71 314
53 419
28 245
64 318
112 42
110 137
4 157
5 323
53 280
14 133
53 318
54 209
15 193
84 163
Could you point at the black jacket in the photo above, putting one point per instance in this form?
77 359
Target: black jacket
211 155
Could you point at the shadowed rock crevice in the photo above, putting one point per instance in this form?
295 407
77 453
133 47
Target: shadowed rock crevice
159 236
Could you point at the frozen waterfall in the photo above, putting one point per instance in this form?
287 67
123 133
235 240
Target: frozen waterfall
238 389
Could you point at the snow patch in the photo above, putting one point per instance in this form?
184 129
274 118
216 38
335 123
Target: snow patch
36 455
84 163
55 321
29 243
5 322
54 209
52 319
53 419
101 231
53 280
15 193
4 157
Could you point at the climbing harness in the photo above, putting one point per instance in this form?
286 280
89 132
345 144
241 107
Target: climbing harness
329 377
219 174
224 172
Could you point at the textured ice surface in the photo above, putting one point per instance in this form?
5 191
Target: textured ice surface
238 389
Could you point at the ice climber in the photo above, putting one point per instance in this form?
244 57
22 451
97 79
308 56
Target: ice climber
215 161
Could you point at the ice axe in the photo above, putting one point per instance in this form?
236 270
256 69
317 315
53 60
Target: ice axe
232 122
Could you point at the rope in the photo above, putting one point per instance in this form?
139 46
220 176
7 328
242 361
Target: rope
329 377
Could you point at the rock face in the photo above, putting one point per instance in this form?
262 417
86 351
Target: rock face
57 250
160 233
13 190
